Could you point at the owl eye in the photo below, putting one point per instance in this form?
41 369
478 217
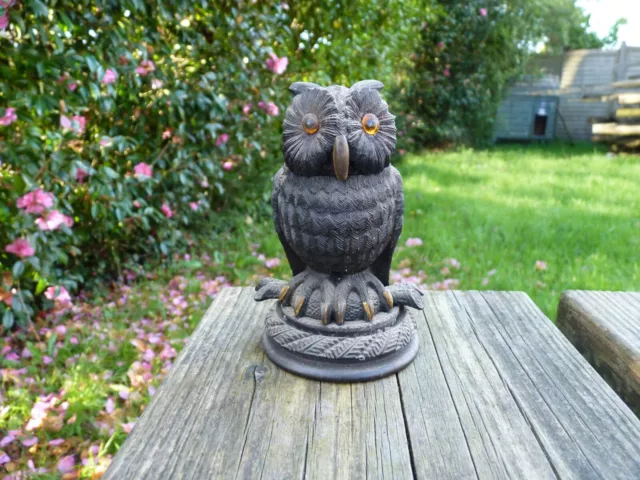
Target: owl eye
370 124
310 123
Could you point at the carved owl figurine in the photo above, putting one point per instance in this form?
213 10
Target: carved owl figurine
337 202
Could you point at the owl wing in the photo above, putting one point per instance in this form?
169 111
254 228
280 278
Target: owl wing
295 262
380 268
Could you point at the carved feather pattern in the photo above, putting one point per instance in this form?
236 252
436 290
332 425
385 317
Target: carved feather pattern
361 347
337 226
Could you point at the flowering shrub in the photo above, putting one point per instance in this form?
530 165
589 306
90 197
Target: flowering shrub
125 123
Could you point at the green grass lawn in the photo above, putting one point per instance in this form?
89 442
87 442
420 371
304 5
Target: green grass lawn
573 208
74 385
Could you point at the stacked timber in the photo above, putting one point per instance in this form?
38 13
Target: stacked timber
622 130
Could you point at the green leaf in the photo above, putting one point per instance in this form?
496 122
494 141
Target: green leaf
35 262
18 269
7 319
42 284
17 305
111 173
39 8
51 344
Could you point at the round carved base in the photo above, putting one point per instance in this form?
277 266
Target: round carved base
355 351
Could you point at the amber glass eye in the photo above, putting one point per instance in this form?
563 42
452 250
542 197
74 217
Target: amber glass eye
370 124
310 123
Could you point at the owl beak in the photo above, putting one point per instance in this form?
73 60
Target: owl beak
341 157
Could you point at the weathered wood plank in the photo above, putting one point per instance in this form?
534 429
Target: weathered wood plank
495 392
628 113
615 129
605 327
628 98
528 404
226 412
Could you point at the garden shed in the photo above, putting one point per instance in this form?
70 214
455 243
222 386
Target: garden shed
527 117
583 83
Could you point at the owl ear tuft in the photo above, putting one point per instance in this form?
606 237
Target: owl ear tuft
298 87
374 84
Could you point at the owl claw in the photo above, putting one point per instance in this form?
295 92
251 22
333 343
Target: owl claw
325 313
388 297
368 309
342 309
299 306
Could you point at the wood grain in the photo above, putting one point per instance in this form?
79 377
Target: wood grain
495 392
225 411
605 327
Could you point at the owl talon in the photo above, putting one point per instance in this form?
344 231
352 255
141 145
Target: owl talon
325 313
388 297
283 293
368 309
341 310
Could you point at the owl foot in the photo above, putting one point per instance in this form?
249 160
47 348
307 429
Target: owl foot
361 283
406 294
304 285
268 288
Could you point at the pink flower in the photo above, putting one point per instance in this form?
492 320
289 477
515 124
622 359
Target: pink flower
109 76
272 263
30 442
541 265
13 356
106 142
145 68
194 206
166 134
21 248
26 353
447 72
246 108
440 45
127 427
222 139
4 21
204 183
166 210
62 297
35 201
76 123
4 458
143 171
156 83
47 360
56 441
483 12
271 108
228 165
72 85
81 175
277 65
136 204
66 464
53 220
110 406
9 113
414 242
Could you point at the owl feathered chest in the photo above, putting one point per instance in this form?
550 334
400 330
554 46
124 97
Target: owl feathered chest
334 225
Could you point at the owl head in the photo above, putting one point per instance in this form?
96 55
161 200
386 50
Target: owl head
337 130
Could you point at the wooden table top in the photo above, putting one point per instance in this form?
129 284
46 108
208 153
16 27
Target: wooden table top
496 391
605 327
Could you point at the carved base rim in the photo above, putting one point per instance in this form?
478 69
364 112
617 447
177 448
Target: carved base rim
316 364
